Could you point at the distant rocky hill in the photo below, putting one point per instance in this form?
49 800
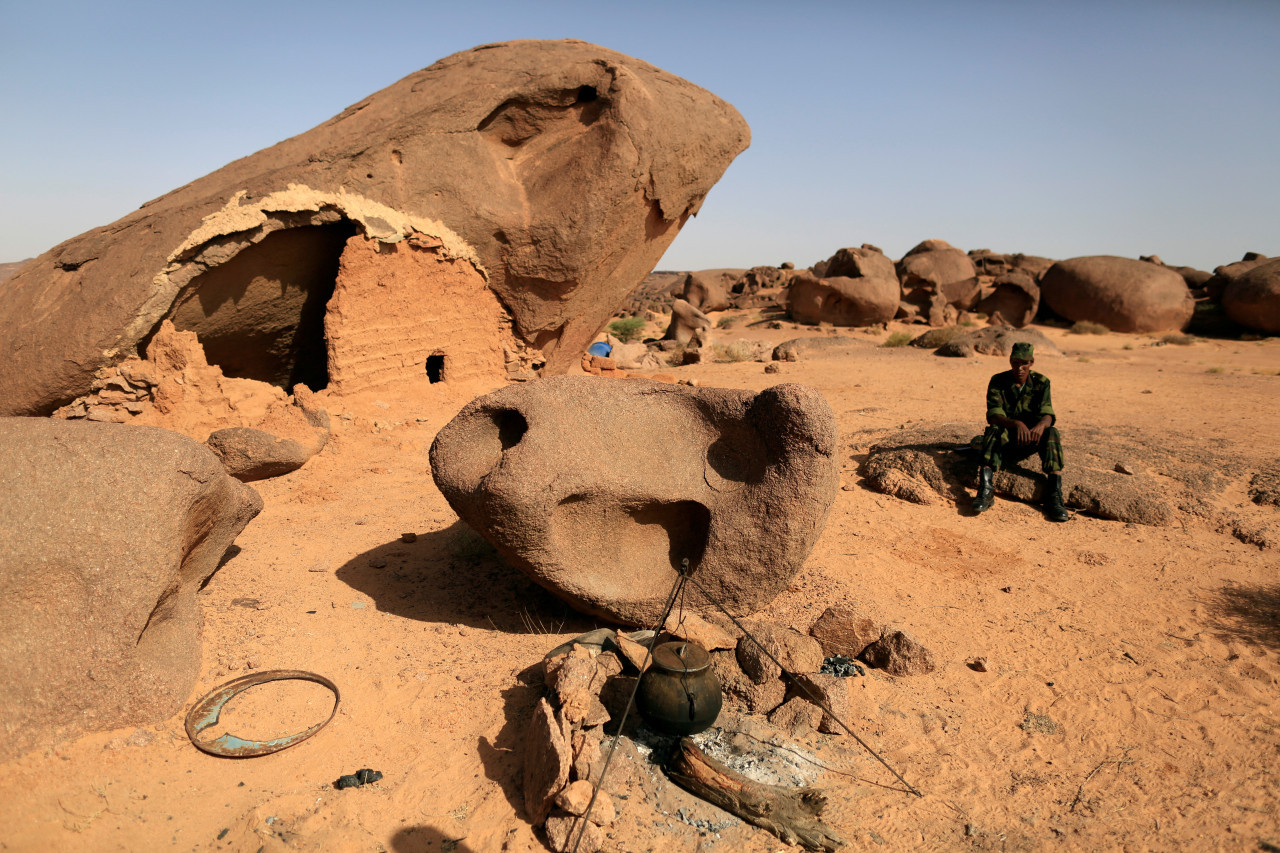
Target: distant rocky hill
8 269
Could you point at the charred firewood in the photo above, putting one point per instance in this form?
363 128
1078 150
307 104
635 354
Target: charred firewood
792 815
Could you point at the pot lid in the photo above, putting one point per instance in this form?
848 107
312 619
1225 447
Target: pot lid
681 657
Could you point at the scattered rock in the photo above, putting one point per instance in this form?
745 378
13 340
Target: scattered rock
251 454
803 348
575 798
843 630
938 280
708 290
563 830
711 631
546 761
833 691
796 652
358 779
998 341
866 300
898 653
796 716
755 698
978 664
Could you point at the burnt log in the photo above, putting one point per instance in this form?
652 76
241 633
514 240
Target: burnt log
791 815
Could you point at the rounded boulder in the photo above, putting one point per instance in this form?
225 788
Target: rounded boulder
1120 293
598 489
1253 299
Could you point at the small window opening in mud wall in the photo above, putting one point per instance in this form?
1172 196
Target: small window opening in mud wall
261 314
435 368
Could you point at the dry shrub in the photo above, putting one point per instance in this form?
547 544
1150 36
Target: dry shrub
1178 339
898 339
1086 327
736 351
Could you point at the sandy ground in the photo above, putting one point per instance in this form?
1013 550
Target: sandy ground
1131 702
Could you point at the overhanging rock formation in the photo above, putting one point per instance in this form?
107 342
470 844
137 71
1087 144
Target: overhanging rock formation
526 187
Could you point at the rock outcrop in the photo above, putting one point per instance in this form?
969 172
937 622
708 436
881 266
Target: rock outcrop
858 288
254 427
709 290
109 532
1013 299
992 340
688 325
1253 299
599 489
1120 293
936 276
532 183
1120 474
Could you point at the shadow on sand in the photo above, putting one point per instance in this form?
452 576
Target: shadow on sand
454 576
1249 613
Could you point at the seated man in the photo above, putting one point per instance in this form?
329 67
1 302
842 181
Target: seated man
1020 417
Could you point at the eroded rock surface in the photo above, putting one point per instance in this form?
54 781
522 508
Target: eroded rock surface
1171 477
552 175
598 489
108 533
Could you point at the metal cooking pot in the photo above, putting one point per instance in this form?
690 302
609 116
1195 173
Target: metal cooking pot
679 693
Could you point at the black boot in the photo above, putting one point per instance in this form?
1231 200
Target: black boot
1054 509
986 491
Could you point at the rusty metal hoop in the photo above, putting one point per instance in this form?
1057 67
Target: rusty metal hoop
205 714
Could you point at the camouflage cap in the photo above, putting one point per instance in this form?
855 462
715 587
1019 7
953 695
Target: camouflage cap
1023 351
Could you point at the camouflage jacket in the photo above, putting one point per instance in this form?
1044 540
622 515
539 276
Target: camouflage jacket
1028 403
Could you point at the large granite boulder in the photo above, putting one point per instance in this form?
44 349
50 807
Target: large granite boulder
598 489
1013 299
1253 299
840 301
1217 283
934 275
708 290
533 184
1120 293
109 532
859 288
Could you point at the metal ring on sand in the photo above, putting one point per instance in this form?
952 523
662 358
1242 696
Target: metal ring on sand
205 714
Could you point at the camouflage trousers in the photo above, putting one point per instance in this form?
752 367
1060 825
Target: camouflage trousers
999 449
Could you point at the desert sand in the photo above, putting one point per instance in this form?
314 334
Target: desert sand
1130 701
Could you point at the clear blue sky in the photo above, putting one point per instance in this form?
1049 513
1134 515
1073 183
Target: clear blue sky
1052 128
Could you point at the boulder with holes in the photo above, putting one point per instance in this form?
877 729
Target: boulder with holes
560 476
492 211
109 532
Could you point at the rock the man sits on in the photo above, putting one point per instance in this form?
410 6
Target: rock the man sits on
1020 422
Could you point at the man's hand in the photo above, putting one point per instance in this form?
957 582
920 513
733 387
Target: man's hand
1025 433
1036 434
